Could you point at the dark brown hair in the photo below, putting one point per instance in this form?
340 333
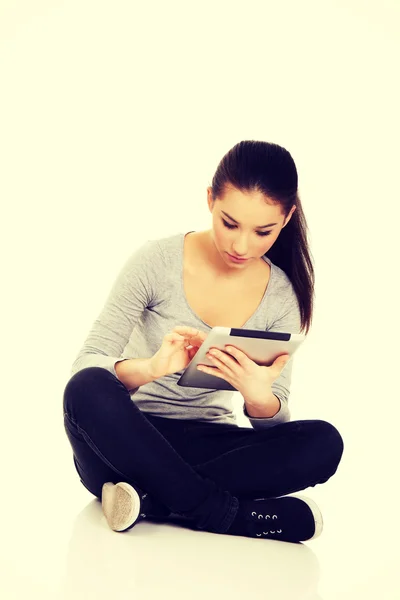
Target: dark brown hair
256 166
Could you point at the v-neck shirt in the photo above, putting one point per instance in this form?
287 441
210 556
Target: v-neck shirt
146 301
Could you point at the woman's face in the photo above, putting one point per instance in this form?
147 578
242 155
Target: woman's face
242 235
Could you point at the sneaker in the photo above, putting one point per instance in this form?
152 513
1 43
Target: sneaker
125 505
287 518
121 504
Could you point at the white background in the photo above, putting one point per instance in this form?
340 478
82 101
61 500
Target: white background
113 118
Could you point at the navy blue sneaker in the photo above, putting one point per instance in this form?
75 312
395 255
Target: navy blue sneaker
124 505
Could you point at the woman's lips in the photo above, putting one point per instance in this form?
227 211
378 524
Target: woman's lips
237 259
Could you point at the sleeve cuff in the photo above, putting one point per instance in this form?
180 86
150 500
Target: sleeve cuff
99 360
282 416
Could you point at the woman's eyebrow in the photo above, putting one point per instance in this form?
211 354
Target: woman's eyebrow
257 227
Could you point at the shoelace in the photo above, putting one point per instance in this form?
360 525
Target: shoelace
257 518
143 514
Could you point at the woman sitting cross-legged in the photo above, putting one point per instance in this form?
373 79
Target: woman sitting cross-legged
149 448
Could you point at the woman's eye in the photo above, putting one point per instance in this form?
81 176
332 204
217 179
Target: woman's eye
228 225
260 233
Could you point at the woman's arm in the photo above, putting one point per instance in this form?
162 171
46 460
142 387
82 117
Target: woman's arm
134 372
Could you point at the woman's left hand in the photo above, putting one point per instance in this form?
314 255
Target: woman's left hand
250 379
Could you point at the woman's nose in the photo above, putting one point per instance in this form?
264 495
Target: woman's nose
241 248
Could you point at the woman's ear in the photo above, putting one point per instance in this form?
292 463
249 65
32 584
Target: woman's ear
289 216
210 199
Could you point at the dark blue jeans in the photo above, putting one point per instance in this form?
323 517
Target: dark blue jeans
198 470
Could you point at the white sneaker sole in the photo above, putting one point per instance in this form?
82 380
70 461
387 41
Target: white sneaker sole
121 505
319 523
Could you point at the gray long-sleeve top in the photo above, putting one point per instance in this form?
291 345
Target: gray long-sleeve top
147 301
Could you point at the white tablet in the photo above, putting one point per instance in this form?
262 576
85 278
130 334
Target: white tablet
263 347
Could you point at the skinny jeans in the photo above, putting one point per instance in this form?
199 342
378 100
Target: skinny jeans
198 470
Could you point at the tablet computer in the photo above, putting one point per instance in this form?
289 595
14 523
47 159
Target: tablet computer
263 347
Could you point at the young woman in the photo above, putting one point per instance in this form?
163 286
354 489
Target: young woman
148 448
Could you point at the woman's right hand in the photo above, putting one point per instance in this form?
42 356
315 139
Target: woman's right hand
176 351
